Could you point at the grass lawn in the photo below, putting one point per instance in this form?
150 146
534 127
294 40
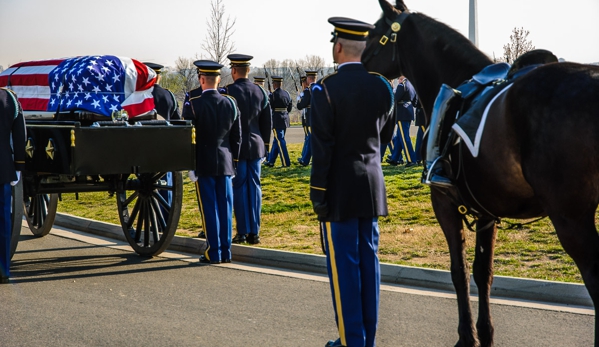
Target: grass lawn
410 235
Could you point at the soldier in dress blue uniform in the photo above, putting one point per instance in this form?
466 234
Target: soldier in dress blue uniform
259 80
164 100
186 111
420 122
404 115
12 163
347 188
218 139
304 105
256 123
281 104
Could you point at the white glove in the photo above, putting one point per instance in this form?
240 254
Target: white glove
14 183
192 176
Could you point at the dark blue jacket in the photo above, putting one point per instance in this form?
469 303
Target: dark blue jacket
255 117
304 104
165 103
218 133
351 117
404 95
281 104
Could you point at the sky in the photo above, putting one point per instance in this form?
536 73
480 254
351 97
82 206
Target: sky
161 31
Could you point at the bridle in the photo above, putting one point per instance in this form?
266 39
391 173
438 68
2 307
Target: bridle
390 36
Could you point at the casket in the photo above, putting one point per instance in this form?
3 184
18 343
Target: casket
101 85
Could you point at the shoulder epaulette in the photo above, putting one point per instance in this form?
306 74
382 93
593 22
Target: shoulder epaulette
195 97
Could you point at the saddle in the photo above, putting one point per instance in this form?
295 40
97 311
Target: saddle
478 93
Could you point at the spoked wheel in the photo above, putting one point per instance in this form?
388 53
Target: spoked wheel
16 216
40 212
149 209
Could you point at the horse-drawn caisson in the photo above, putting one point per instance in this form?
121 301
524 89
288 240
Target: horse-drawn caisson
92 126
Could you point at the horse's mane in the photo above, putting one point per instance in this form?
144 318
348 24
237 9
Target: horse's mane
450 41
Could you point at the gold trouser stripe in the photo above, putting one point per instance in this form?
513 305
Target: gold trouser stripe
280 109
203 218
335 279
405 146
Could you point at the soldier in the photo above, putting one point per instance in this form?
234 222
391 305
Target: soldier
347 188
404 115
215 118
186 112
281 104
164 100
256 123
12 163
304 105
259 81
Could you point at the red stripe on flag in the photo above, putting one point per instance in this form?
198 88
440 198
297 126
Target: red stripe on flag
25 80
135 110
33 104
39 63
142 82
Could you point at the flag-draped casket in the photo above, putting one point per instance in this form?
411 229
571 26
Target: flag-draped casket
98 84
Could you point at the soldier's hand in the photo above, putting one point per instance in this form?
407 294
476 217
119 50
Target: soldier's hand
321 209
192 176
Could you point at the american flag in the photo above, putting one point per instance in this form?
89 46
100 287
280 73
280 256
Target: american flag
98 84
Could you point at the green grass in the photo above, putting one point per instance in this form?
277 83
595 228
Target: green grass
410 235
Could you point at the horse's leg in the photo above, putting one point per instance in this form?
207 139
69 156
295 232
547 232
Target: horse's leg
482 270
451 223
579 238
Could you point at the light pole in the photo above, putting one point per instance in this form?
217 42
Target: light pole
473 23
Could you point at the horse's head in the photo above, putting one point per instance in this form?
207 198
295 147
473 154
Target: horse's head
381 53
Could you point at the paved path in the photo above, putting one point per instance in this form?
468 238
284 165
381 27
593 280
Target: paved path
71 289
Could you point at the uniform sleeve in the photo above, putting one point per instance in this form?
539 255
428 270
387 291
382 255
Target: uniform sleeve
235 137
186 112
305 100
266 124
175 114
19 133
322 141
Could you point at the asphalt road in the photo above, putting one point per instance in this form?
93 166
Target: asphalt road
72 289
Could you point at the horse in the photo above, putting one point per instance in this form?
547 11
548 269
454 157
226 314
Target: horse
524 169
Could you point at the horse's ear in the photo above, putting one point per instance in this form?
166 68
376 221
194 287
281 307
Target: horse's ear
388 9
401 6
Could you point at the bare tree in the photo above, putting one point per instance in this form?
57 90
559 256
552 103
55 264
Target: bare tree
518 45
218 43
187 71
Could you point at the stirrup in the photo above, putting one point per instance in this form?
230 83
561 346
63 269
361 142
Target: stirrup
434 176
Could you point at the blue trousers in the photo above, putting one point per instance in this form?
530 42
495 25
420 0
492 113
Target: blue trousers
215 199
279 148
403 142
247 197
419 136
307 148
354 275
5 228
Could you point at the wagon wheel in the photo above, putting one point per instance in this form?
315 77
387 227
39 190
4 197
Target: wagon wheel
16 216
40 212
149 208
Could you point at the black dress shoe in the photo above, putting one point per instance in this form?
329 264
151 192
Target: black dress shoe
226 261
269 164
301 162
411 164
253 239
336 343
202 235
392 162
205 260
239 238
4 280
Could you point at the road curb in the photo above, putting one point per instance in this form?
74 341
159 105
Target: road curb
507 287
